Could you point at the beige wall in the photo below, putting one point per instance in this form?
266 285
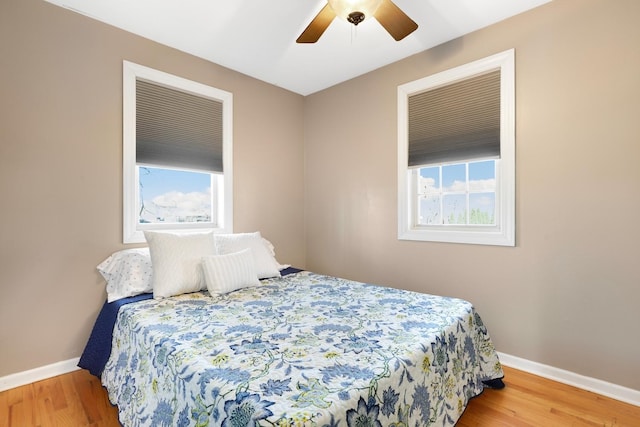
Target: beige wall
568 294
61 169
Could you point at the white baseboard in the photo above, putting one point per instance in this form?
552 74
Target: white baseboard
604 388
37 374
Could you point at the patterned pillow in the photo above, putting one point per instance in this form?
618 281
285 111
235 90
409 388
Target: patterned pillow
128 273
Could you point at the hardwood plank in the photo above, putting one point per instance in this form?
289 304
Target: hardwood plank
16 407
44 406
78 399
4 409
93 398
74 411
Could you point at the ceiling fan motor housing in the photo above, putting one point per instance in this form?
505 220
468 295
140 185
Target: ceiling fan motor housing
355 17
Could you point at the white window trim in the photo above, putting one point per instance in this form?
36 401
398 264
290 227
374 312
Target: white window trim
131 232
503 233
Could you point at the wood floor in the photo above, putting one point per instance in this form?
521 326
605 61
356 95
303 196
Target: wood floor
77 399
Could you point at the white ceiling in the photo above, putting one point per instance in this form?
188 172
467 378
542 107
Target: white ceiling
257 37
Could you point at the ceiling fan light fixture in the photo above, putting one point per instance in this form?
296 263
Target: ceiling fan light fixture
354 11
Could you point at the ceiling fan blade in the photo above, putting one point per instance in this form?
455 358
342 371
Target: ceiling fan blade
394 20
314 30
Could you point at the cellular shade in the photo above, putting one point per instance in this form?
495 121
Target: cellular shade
177 129
456 122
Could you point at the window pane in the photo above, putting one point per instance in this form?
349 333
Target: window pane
429 181
174 196
482 176
429 211
454 178
482 208
454 206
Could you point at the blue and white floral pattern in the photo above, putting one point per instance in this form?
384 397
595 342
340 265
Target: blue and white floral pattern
301 350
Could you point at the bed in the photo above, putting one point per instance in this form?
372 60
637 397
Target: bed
302 349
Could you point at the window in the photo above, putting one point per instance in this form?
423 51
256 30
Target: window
456 154
175 196
177 154
455 194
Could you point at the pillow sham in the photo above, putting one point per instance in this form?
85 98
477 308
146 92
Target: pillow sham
176 260
128 273
272 251
265 263
230 272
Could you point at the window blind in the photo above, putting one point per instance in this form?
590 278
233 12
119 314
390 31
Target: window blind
456 122
177 129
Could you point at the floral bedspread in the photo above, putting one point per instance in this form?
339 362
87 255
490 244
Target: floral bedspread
302 350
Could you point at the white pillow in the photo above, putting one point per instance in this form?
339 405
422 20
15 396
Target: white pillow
272 251
176 261
226 273
266 264
128 273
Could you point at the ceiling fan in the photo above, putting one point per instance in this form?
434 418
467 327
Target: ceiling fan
394 20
